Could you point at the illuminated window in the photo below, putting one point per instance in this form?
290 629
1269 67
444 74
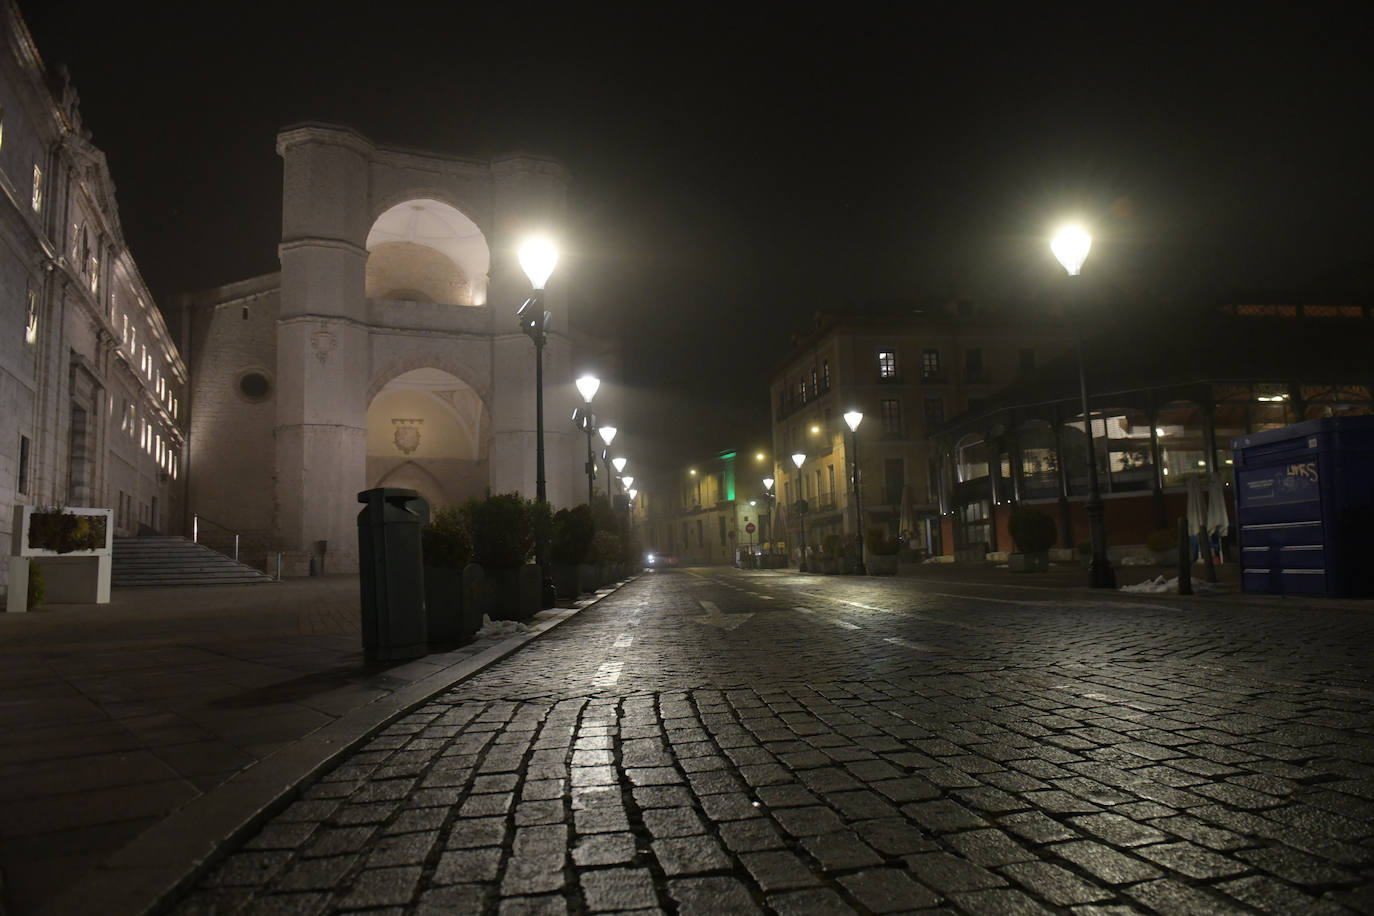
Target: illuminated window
802 388
887 364
95 273
825 374
37 188
815 385
930 364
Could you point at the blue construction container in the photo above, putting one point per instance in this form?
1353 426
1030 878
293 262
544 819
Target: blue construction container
1305 508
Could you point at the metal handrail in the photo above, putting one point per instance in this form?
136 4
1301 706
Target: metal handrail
196 519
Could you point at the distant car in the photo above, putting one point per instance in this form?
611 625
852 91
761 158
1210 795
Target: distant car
661 561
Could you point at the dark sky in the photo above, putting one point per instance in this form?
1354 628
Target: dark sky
734 173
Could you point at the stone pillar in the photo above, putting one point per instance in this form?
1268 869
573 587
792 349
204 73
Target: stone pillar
322 346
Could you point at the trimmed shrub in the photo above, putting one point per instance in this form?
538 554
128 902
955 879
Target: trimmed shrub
879 544
446 541
502 526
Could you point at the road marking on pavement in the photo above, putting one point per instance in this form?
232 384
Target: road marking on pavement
607 674
846 624
907 643
624 641
866 607
804 610
762 595
716 618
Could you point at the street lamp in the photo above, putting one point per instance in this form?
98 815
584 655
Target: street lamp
1070 246
801 507
853 418
586 386
537 259
772 536
607 433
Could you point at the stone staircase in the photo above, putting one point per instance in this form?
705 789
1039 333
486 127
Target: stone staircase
148 562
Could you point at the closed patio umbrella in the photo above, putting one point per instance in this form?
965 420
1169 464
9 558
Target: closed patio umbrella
1218 520
908 516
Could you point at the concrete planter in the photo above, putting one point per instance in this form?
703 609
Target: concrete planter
1029 562
881 564
566 579
73 577
453 611
512 594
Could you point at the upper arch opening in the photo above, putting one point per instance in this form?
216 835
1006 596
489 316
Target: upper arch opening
425 250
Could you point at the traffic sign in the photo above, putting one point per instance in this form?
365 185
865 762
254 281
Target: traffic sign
749 528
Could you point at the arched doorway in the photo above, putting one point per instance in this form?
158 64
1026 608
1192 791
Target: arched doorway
428 431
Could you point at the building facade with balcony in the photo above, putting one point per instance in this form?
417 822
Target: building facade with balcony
1168 391
92 387
907 372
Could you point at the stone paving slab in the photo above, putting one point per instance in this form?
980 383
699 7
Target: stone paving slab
119 715
990 753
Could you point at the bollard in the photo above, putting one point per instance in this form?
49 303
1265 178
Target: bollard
1185 560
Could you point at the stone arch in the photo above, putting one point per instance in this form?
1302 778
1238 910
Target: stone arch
414 476
425 249
429 427
427 359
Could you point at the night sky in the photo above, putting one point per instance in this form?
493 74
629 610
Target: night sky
733 174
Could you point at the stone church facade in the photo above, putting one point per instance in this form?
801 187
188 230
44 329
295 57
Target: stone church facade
384 353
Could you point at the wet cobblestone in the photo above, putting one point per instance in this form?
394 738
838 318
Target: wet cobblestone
1029 755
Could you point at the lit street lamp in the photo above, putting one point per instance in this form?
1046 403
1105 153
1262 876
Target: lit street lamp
584 419
801 508
607 433
772 536
537 259
1070 247
853 418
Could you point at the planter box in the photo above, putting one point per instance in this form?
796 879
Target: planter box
512 594
882 564
566 579
453 612
76 577
1029 562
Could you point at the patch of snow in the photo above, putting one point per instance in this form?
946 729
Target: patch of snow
498 629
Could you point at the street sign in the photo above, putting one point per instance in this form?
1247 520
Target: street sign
749 528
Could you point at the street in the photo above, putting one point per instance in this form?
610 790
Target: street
726 741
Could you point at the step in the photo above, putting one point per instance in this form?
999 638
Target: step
173 561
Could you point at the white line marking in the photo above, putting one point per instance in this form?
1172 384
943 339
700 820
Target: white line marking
846 624
804 610
607 674
624 641
906 643
763 596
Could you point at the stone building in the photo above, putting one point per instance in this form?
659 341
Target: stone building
906 372
700 514
92 388
386 350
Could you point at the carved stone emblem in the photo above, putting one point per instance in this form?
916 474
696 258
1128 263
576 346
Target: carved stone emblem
407 436
323 343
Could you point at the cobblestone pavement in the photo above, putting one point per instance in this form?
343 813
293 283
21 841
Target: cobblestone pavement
719 741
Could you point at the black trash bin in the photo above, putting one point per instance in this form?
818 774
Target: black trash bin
1305 508
391 573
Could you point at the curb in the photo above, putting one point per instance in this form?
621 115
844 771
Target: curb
151 872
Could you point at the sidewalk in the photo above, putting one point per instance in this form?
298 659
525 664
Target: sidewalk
125 722
1074 578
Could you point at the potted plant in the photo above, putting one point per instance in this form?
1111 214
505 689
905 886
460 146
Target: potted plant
446 545
568 548
881 553
502 527
1033 533
1163 544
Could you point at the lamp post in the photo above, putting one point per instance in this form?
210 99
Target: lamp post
537 259
585 419
853 418
772 535
801 507
1070 246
